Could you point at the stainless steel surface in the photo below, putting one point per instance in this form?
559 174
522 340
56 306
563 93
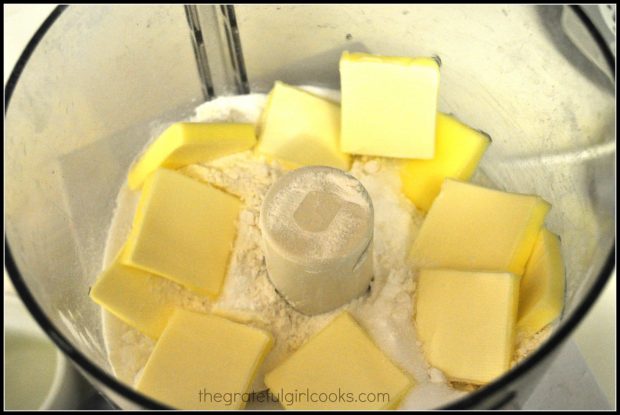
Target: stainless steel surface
219 53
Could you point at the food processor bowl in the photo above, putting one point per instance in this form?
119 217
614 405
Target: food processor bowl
95 82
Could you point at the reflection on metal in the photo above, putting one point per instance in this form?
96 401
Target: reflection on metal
198 44
215 34
234 48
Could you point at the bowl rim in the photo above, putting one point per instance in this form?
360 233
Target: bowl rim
468 401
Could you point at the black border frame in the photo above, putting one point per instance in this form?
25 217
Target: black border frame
469 401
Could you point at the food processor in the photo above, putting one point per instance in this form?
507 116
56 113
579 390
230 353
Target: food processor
96 81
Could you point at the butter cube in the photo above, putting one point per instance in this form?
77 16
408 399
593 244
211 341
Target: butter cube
542 286
341 359
301 129
458 149
186 143
389 105
473 228
135 297
183 230
466 322
203 361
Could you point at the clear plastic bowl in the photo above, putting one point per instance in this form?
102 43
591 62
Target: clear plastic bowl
82 99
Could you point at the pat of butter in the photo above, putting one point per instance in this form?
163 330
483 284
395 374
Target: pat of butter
183 230
466 322
185 143
542 286
389 105
134 296
458 149
339 360
473 228
203 361
301 129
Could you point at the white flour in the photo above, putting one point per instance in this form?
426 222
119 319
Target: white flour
386 312
317 225
334 241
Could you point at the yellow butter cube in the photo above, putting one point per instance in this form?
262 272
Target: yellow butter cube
458 149
542 286
183 230
466 322
389 105
203 361
186 143
341 360
473 228
301 129
134 296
